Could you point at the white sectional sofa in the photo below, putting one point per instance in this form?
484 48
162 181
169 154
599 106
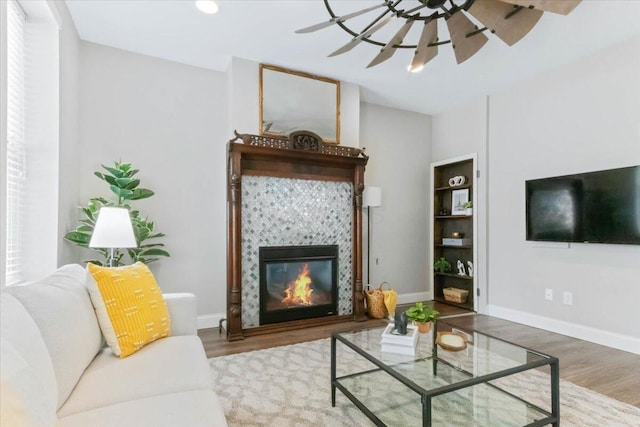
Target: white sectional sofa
56 370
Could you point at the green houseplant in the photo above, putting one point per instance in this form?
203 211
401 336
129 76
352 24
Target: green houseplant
125 187
468 207
441 265
422 315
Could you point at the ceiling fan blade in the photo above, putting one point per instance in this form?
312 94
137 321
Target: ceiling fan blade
388 50
338 19
464 47
356 40
493 13
563 7
424 52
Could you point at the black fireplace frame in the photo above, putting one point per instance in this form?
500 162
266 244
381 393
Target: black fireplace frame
296 253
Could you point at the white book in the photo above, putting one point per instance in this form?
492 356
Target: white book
400 362
391 337
399 349
456 241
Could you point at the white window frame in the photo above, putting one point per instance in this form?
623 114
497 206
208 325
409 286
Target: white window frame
15 149
29 154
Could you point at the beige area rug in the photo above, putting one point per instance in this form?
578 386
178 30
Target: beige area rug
290 386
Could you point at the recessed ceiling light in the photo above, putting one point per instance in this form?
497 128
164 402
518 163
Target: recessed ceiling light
207 6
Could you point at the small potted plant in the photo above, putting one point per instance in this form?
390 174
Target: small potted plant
422 316
469 207
441 265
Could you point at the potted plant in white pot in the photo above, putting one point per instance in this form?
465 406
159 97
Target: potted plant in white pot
468 207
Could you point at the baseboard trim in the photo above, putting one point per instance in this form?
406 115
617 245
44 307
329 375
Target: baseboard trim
213 320
210 320
587 333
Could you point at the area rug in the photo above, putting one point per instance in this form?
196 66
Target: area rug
290 386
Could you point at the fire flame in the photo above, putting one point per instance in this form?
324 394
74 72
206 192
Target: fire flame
299 291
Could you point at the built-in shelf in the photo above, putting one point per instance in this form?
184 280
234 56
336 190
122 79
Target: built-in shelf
450 225
449 188
454 246
465 305
457 276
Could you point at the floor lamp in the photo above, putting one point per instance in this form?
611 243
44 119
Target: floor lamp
371 198
113 230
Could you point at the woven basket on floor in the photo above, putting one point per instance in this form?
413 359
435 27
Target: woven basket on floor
375 302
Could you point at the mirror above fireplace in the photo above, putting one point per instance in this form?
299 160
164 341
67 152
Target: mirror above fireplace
293 100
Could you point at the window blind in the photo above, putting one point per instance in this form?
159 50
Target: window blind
16 167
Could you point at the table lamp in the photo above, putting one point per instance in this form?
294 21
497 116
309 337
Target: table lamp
113 230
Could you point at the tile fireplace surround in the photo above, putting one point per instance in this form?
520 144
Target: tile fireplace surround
292 212
288 191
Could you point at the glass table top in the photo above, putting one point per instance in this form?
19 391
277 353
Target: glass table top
484 354
396 399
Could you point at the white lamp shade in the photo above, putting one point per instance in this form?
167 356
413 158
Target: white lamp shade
372 196
113 229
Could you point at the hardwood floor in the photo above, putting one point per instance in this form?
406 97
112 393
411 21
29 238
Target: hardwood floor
215 343
611 372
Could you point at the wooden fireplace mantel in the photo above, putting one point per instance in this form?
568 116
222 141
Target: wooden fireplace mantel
301 155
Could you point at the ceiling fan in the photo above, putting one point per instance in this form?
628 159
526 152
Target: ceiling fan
510 20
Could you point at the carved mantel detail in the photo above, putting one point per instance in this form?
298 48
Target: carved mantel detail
301 155
301 140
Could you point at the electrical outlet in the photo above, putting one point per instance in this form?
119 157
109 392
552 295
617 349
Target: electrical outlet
548 294
567 298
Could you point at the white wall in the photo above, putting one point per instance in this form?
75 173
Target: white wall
399 145
170 121
583 117
243 96
579 118
69 140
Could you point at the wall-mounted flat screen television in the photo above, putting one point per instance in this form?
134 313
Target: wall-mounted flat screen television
593 207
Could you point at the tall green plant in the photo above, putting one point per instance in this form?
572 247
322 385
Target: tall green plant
124 186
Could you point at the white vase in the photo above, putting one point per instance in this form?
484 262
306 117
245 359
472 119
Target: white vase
469 211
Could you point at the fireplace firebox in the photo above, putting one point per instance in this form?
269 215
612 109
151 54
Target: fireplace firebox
298 282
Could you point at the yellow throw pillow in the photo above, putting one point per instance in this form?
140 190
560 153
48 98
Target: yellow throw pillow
129 305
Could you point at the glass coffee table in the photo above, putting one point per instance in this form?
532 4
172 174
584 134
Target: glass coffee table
490 383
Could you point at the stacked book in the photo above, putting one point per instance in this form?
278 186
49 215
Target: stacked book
393 342
455 241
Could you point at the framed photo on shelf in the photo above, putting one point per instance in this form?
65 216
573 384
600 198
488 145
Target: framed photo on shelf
458 199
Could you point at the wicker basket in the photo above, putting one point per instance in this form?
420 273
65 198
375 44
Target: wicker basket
375 302
455 295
